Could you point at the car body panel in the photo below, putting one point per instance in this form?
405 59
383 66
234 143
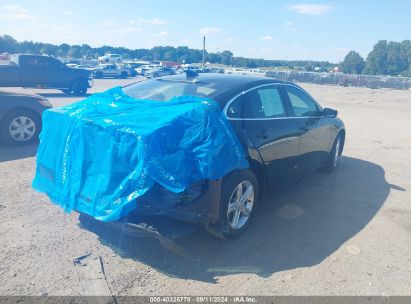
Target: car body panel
279 150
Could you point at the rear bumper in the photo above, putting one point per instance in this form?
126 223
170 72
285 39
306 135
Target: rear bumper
153 219
200 203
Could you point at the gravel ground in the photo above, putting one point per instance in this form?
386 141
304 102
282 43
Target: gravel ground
345 233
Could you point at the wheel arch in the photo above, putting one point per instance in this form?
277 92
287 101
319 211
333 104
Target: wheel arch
342 134
258 171
78 79
21 108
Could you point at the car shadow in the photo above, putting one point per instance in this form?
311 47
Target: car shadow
297 226
8 153
63 95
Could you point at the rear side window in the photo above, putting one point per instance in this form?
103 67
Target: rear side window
234 110
163 90
264 102
31 61
301 103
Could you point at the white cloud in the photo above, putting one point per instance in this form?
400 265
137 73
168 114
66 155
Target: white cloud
132 29
15 9
68 13
311 9
160 34
17 17
210 30
266 38
289 24
152 21
14 12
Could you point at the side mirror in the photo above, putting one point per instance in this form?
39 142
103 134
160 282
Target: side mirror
327 112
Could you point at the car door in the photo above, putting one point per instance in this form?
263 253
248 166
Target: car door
32 71
112 70
317 130
265 120
56 74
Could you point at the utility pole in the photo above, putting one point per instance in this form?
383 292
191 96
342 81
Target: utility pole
203 50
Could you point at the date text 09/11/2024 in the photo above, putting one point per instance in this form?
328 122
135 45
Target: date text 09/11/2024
204 299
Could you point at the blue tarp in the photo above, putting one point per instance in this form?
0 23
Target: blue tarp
99 155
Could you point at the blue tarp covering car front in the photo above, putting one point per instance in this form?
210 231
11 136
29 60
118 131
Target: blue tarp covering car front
100 155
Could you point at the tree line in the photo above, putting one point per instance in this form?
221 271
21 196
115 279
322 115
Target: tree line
182 54
386 58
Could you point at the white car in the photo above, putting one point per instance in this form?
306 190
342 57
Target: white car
110 58
144 69
109 70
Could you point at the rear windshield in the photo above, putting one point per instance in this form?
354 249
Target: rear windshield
163 90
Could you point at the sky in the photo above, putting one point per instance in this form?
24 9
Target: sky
308 30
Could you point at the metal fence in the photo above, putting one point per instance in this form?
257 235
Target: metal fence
373 82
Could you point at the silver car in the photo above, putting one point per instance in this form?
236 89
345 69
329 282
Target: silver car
161 71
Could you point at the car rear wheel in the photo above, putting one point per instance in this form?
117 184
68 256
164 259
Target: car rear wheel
20 127
334 155
79 88
238 199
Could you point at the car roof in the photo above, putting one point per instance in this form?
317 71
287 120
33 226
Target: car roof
226 85
229 80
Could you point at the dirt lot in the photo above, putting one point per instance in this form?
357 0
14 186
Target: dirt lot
346 233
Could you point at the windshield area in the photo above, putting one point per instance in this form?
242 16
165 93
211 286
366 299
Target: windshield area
163 90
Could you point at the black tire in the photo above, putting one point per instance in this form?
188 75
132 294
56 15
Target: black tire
27 119
224 228
331 162
79 88
124 75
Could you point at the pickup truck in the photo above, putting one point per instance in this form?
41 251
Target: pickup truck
35 71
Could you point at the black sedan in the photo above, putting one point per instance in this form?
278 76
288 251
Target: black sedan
20 117
285 134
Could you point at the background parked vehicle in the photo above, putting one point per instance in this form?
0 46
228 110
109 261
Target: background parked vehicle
130 69
159 72
110 58
192 68
20 117
144 69
109 70
33 71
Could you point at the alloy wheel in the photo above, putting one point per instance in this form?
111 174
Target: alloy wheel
337 153
22 128
240 205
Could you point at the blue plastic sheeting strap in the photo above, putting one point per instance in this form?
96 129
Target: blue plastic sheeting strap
99 155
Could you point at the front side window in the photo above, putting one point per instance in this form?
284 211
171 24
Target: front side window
301 103
264 102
